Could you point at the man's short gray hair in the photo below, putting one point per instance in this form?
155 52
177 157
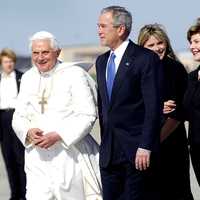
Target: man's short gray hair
44 35
121 16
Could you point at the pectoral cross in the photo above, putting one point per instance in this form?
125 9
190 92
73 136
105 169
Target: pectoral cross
43 101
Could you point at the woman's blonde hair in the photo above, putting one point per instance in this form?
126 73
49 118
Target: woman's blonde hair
158 32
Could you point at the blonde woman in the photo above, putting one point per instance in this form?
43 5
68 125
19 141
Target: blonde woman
175 182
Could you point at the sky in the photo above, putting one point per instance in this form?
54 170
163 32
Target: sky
74 22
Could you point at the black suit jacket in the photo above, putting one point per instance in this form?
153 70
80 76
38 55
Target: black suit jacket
132 118
192 107
18 79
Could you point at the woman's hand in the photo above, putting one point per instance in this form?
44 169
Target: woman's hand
169 106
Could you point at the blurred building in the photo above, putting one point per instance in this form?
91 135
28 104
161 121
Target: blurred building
82 53
23 63
187 59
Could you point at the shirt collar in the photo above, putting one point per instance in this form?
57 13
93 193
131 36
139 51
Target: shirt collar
11 75
119 51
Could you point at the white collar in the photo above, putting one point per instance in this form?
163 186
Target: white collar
11 75
119 51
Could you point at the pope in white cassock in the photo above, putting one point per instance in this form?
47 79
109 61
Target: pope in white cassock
53 118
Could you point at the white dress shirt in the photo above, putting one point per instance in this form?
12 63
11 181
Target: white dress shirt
8 90
119 52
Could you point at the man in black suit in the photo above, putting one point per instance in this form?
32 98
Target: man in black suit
11 147
130 107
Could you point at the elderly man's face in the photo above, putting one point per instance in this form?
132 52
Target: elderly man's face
43 55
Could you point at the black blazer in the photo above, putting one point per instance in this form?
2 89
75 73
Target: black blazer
18 79
132 118
175 83
192 106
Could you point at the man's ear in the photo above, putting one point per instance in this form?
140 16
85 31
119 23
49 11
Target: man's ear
121 30
58 52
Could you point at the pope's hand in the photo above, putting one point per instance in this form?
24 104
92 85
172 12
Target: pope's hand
142 159
48 140
34 134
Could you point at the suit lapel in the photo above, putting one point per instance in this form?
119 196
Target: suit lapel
124 66
18 79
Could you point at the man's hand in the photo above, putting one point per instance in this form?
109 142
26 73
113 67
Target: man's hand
142 159
34 135
169 106
48 140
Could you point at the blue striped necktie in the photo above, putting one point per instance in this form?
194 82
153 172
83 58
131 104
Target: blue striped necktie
110 74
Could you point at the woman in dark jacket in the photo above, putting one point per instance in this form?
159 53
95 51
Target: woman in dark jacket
192 100
174 170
